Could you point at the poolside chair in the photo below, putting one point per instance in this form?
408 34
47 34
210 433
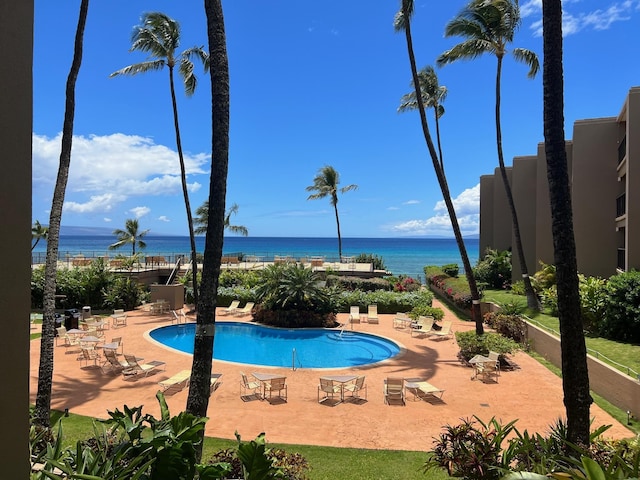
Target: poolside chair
247 385
231 308
394 391
444 332
112 362
134 369
422 326
490 369
372 314
354 314
329 390
355 387
246 310
278 385
119 318
176 382
422 390
401 320
215 381
88 355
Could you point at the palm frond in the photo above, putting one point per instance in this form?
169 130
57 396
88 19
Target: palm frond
137 68
188 78
467 50
528 58
198 53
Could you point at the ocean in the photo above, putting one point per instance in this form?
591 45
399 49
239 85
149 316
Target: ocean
405 256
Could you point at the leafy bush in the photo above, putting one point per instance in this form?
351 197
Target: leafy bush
549 300
494 269
404 283
357 283
378 262
125 293
388 302
471 344
545 277
451 269
593 296
508 325
455 289
228 294
622 308
294 318
426 311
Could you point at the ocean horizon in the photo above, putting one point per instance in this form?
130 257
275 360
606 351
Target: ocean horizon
401 256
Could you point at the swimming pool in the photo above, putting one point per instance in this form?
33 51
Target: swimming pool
279 347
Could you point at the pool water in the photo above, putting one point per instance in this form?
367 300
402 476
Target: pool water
279 347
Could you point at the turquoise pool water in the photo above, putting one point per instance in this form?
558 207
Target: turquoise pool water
278 347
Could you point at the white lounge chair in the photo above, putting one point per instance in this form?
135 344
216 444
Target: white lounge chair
231 308
246 310
445 331
354 314
372 314
394 391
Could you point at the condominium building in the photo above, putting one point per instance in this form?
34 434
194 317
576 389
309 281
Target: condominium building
602 159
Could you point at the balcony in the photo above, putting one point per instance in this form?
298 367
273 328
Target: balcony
621 205
622 150
622 259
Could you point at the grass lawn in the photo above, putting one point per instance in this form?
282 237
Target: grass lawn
325 462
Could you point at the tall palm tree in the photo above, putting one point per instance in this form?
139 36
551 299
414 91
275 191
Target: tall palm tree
433 94
489 26
202 218
325 184
575 376
45 369
130 235
199 386
403 23
38 232
159 35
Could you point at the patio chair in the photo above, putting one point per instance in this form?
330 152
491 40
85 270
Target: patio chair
422 326
422 390
394 391
490 369
231 308
215 381
68 339
246 310
176 382
444 332
247 385
329 389
355 387
111 360
88 355
354 314
117 341
119 318
144 369
278 385
372 314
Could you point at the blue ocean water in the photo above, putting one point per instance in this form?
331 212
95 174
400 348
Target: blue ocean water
405 256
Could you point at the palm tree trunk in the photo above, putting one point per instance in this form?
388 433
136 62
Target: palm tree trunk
442 181
532 299
199 387
45 369
185 191
575 375
335 207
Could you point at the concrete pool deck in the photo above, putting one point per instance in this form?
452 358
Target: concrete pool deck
530 393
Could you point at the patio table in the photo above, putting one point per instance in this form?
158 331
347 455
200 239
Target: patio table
342 380
264 379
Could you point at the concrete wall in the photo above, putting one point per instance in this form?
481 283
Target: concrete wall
16 38
487 184
524 197
502 229
633 179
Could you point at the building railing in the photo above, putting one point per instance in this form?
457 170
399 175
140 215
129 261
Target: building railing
622 150
621 205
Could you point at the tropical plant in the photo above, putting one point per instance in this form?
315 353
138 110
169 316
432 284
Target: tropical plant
199 386
489 26
402 22
375 260
130 235
291 287
472 345
575 375
202 213
622 308
494 269
159 35
45 369
38 232
325 184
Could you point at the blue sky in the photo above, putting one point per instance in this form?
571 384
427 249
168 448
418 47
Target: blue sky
313 83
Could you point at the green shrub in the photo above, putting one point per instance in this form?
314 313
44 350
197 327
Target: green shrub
509 325
456 290
593 296
126 293
451 269
471 344
388 302
357 283
549 300
426 311
378 262
545 277
622 308
494 269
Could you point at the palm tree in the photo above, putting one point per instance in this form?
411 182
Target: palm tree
45 369
130 235
38 232
403 23
433 94
325 184
201 219
160 36
575 376
488 26
199 385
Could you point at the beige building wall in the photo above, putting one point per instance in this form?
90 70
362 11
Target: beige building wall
487 185
502 231
524 196
16 38
632 184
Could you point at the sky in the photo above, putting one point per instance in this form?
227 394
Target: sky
313 83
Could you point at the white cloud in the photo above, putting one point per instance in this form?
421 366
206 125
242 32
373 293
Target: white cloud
140 212
107 219
467 207
392 208
163 218
573 21
130 165
411 202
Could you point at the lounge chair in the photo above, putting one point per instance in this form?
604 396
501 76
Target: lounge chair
372 314
88 355
119 318
354 314
394 391
246 385
231 308
278 385
144 369
422 390
356 387
401 320
422 326
176 382
68 339
329 390
111 360
246 310
445 331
